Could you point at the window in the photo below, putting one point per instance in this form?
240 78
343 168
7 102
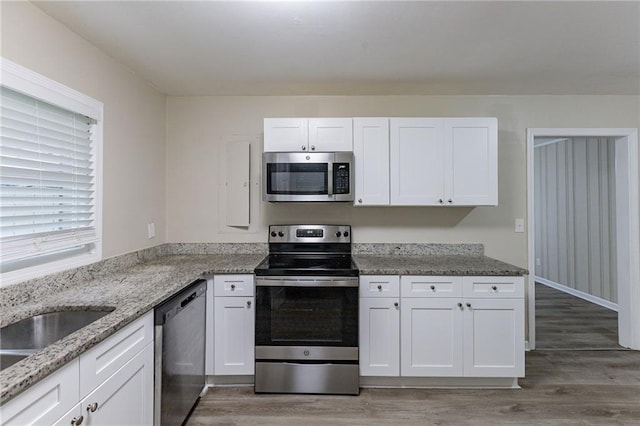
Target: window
50 198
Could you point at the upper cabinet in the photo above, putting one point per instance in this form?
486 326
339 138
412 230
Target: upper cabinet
426 161
308 134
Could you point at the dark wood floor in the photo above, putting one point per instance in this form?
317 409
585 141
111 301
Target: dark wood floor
564 321
561 387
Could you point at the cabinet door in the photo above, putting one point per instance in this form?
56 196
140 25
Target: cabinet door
471 159
126 398
379 337
46 401
330 134
285 134
416 161
431 337
371 152
234 335
494 338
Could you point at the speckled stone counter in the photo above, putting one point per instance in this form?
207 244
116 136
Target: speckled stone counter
434 265
131 288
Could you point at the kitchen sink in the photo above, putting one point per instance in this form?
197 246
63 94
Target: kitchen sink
25 337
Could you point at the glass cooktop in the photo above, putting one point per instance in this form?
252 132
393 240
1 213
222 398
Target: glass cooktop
307 264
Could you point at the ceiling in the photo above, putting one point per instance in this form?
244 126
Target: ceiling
367 48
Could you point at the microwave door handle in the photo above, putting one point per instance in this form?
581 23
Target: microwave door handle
330 178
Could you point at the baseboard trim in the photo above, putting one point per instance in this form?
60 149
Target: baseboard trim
577 293
439 382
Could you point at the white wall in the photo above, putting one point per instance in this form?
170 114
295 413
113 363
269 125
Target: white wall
199 127
575 215
134 121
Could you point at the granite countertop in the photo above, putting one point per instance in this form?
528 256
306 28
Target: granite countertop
132 291
469 265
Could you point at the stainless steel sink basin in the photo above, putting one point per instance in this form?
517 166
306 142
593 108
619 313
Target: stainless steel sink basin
21 339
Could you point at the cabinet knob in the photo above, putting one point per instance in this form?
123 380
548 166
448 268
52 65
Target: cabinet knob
440 201
304 148
313 148
449 201
91 408
77 421
459 305
494 288
433 287
233 286
468 305
360 200
396 304
248 303
379 287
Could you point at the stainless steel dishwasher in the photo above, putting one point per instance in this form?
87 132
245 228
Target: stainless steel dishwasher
179 354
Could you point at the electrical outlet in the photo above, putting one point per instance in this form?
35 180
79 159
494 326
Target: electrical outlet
519 225
151 230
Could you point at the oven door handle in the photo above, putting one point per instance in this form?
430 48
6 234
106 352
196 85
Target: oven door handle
307 282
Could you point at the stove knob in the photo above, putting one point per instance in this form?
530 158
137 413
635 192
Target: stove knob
346 233
338 234
280 234
273 233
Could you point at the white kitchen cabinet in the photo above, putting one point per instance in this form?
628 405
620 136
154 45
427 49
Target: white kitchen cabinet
126 398
308 134
493 337
443 161
431 337
417 169
379 336
471 161
46 401
117 374
371 154
234 327
448 326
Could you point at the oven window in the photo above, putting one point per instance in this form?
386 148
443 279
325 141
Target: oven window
297 179
319 316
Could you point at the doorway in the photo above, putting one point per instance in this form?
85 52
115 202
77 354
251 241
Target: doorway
625 237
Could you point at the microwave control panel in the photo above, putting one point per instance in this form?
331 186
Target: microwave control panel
341 178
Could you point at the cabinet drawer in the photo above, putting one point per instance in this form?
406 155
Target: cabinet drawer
45 402
379 286
430 286
100 362
493 287
233 285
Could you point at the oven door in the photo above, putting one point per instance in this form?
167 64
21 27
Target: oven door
306 312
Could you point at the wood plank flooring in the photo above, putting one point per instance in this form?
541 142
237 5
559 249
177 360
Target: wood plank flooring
561 387
564 321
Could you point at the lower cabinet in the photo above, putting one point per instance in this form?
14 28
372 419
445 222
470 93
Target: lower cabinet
477 333
234 327
123 397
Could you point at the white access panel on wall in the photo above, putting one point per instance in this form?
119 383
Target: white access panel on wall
417 161
371 153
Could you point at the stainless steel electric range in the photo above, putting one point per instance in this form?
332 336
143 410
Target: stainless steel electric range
307 312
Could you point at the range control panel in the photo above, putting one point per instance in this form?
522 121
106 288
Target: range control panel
309 234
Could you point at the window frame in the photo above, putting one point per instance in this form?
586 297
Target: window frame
21 79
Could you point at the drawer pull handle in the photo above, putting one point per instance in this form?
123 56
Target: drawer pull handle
433 287
494 288
379 287
459 305
396 304
248 303
77 421
233 286
468 305
92 407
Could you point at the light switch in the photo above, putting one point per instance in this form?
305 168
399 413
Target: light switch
519 225
151 229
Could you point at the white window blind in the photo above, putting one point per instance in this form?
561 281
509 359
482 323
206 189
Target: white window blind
47 178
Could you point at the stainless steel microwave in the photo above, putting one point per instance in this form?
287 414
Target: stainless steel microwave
307 176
